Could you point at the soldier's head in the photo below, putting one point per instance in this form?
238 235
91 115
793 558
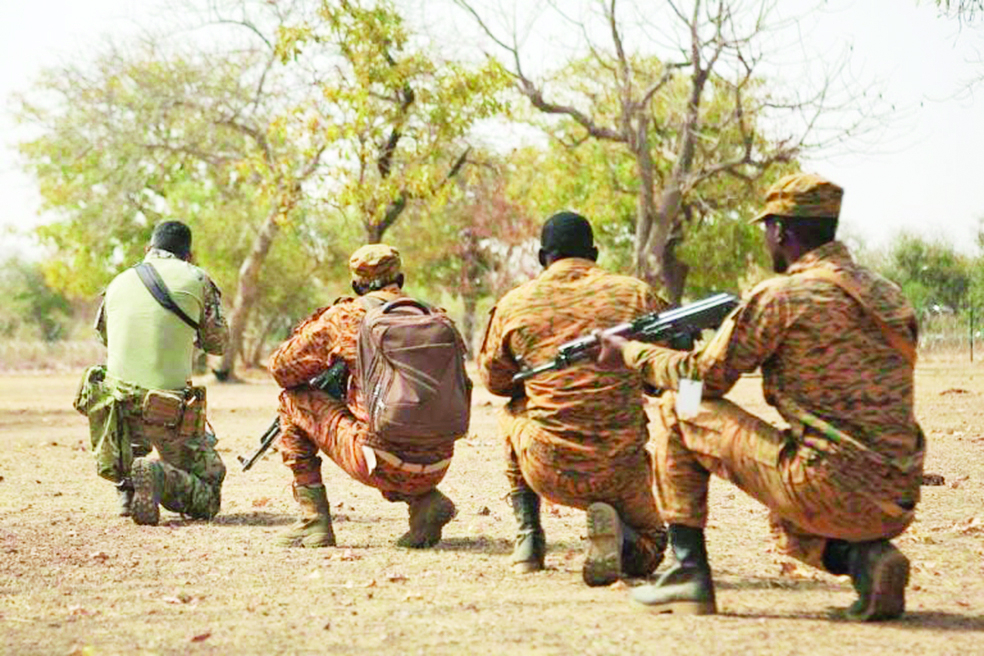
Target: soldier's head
566 234
374 267
173 237
800 214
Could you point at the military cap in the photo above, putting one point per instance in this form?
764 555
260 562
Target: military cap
375 263
802 195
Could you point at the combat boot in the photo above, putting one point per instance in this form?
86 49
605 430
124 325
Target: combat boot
603 560
313 529
879 573
687 588
428 515
531 543
148 486
124 496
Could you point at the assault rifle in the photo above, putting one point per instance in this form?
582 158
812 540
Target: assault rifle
672 325
333 380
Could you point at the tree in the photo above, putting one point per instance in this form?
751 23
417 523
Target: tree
965 9
933 275
479 245
255 143
398 113
31 306
699 114
149 132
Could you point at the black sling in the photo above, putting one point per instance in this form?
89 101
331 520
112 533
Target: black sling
152 281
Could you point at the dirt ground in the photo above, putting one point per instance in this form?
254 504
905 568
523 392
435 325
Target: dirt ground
77 579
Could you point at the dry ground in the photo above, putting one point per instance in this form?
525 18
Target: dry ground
76 579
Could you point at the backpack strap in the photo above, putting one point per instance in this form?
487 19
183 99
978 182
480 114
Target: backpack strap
155 285
896 340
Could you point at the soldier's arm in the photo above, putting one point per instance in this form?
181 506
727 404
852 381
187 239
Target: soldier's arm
213 331
306 352
743 342
100 324
496 364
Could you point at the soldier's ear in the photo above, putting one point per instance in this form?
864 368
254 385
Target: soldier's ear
399 280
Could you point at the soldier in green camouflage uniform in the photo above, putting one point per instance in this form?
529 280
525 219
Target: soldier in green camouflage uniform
143 396
836 346
576 436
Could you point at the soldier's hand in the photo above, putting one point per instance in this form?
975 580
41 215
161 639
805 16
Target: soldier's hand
610 353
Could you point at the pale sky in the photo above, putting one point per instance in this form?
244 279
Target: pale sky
924 174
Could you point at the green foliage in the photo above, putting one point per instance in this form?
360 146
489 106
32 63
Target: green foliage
395 114
600 178
30 308
933 275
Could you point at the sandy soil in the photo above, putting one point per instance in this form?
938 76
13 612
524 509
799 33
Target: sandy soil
76 579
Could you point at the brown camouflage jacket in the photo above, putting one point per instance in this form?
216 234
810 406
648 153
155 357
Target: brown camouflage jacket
826 364
316 343
582 408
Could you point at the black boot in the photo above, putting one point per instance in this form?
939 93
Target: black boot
687 588
531 543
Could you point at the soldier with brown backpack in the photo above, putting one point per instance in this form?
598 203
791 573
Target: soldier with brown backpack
406 402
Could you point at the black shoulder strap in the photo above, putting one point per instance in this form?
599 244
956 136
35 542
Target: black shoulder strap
152 281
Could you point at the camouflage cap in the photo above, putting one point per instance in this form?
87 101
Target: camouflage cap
375 263
802 195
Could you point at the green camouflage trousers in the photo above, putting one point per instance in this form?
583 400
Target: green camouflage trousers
812 495
125 421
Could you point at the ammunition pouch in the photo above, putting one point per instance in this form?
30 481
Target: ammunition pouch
90 389
162 408
181 411
193 417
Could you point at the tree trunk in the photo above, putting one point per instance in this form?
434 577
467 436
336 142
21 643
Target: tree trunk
468 323
249 273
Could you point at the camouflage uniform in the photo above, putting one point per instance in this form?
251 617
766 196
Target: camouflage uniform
575 436
850 464
313 421
143 397
118 418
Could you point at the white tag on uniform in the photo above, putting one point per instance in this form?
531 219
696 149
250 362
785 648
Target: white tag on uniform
370 457
688 397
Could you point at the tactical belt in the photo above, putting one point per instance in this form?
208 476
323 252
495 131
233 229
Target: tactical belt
411 467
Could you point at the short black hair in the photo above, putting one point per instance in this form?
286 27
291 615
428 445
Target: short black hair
172 236
811 232
568 234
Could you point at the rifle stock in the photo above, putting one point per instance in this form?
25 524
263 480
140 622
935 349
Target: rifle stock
333 381
653 327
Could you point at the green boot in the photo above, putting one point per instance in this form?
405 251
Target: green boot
687 588
313 528
531 543
148 486
603 560
428 515
879 573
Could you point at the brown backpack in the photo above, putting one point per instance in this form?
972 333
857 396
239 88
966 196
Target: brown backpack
410 362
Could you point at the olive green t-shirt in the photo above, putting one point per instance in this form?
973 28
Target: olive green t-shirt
149 345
